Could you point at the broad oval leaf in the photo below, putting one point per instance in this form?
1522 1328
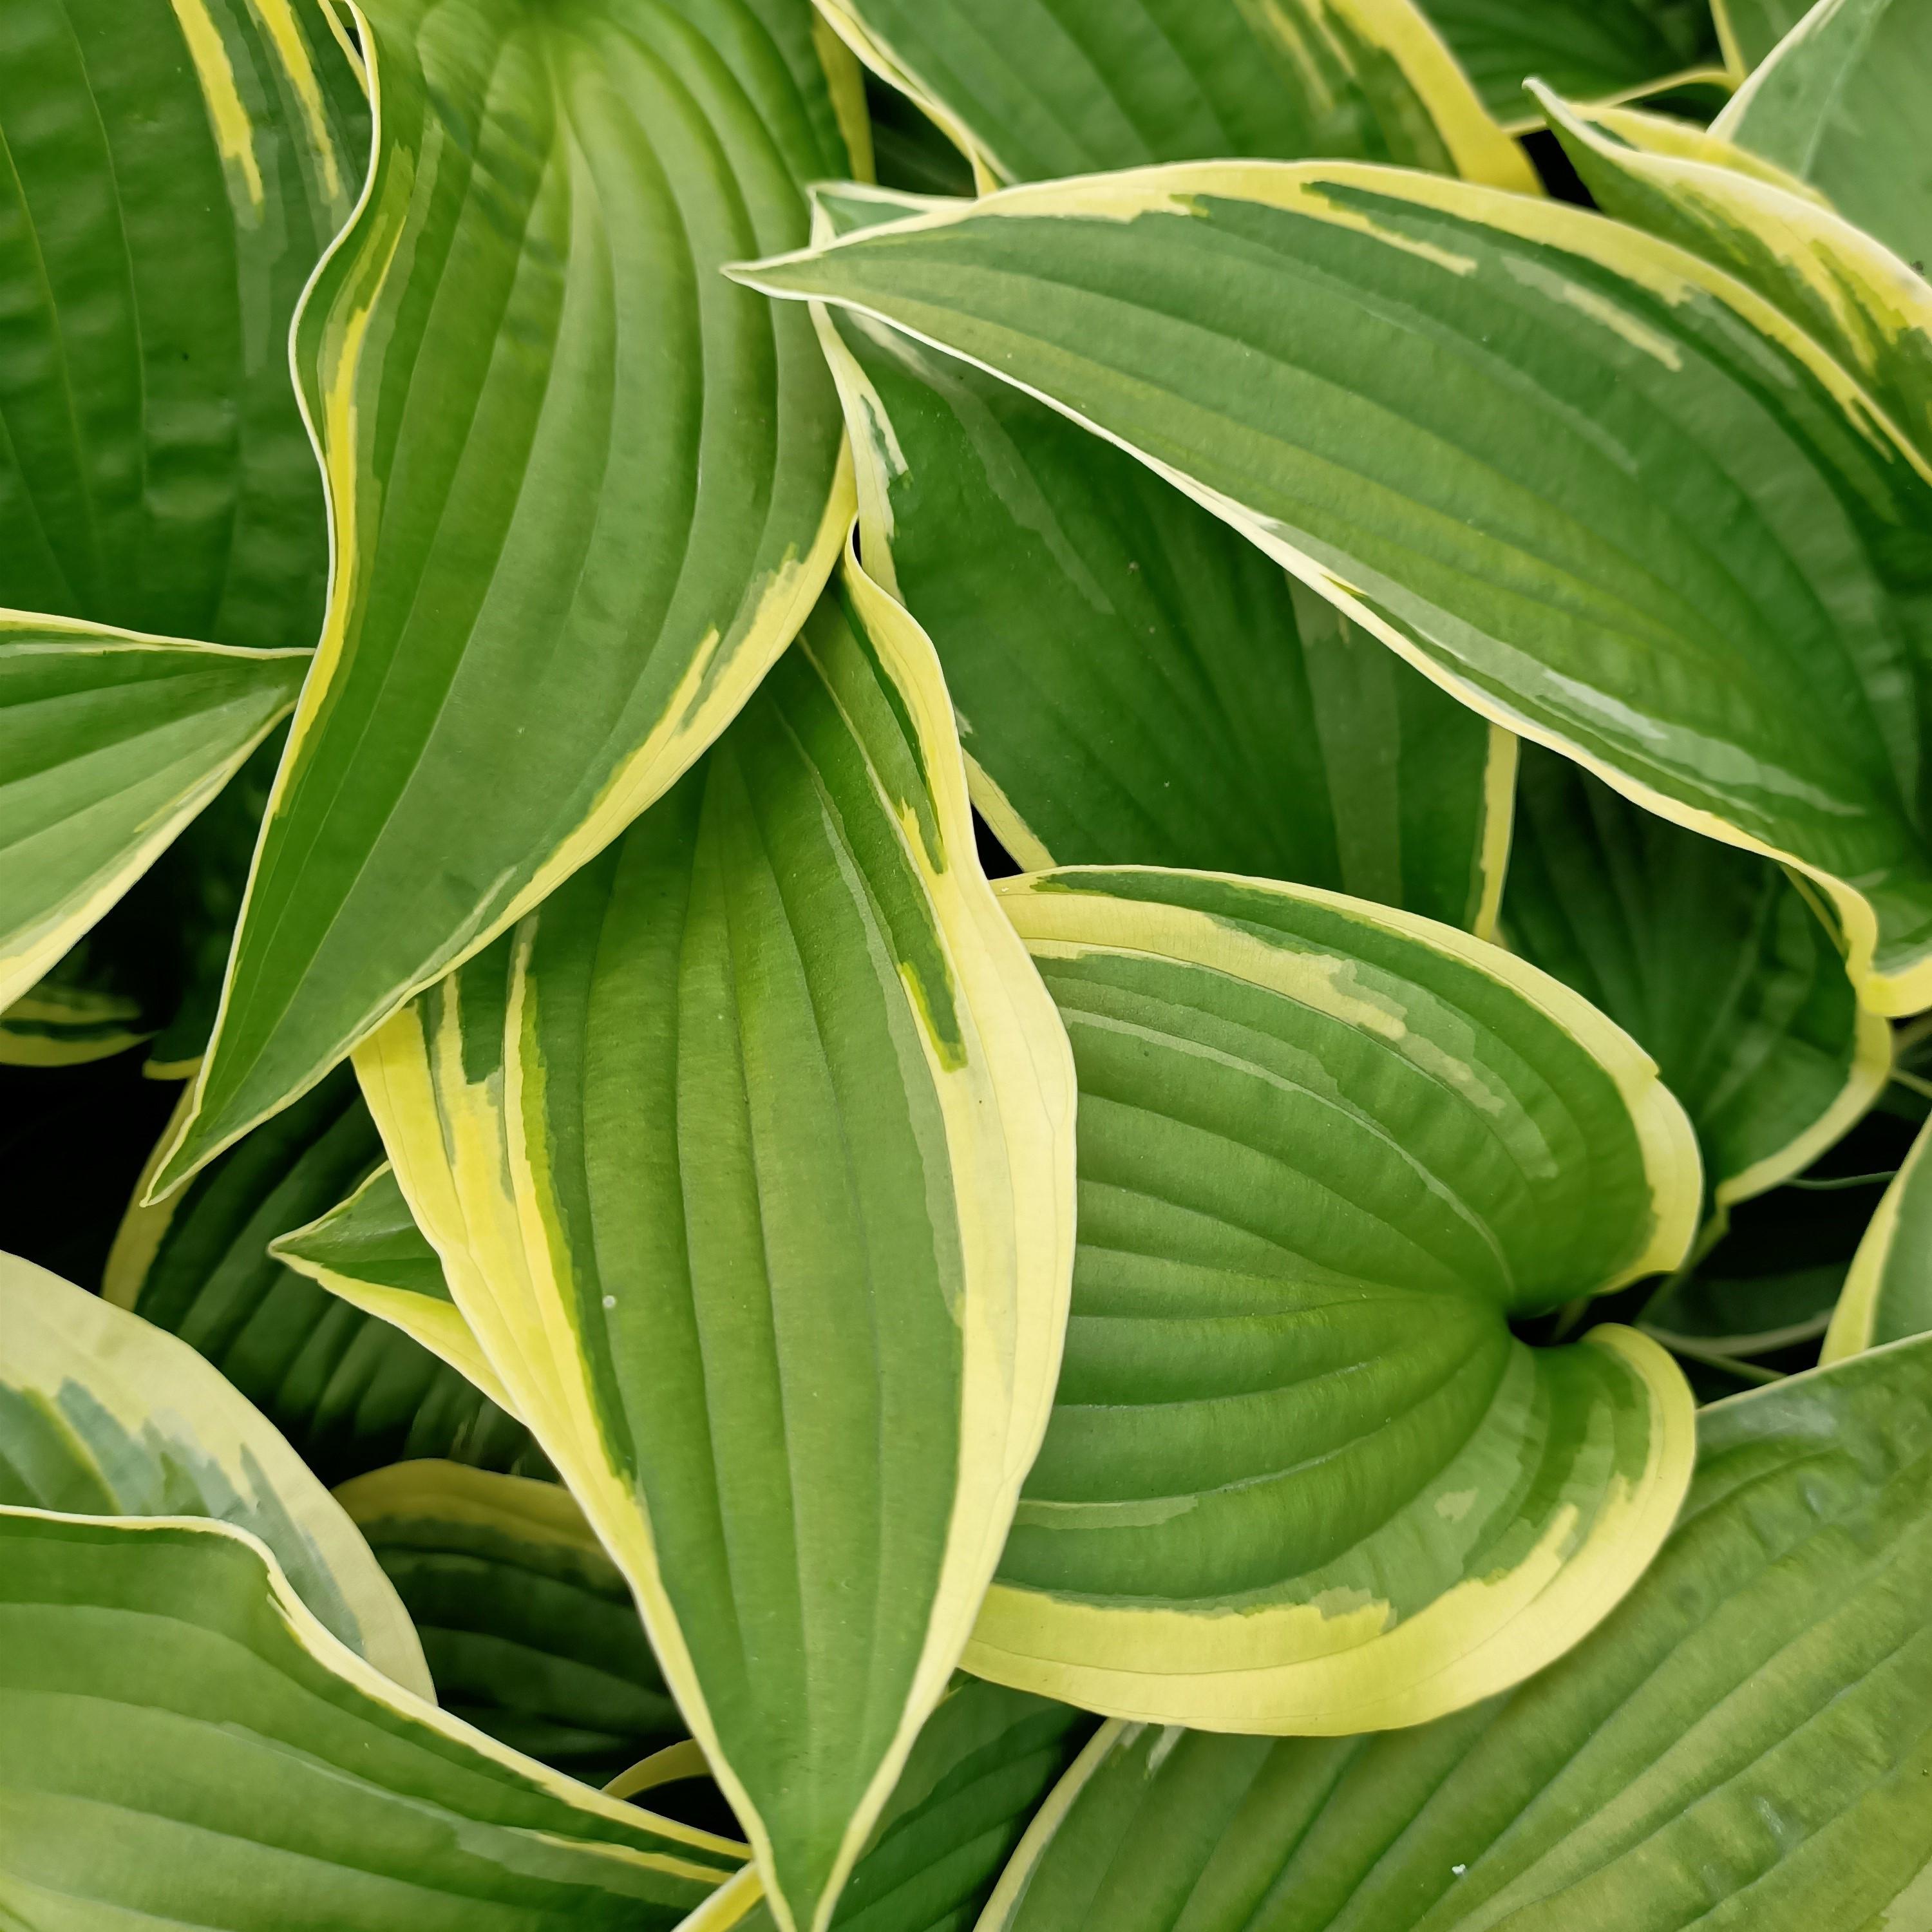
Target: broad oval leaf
786 1118
583 490
110 744
1603 492
1300 1475
528 1627
102 1414
1743 1743
1710 957
1119 83
1838 104
182 1743
347 1388
1135 682
1887 1292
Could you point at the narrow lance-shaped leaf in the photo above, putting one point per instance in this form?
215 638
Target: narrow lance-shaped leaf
1711 958
1301 1477
102 1414
1744 1743
349 1391
1035 88
1603 492
1839 104
583 490
1888 1293
181 1743
786 1118
1135 682
528 1627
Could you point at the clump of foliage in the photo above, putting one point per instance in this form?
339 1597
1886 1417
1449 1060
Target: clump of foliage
1037 889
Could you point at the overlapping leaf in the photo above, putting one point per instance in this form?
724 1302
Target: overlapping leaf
1888 1293
1748 30
1745 1742
102 1414
181 1743
1603 491
750 1165
583 490
1034 88
1301 1476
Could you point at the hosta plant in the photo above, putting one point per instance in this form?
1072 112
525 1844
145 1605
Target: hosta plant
1001 924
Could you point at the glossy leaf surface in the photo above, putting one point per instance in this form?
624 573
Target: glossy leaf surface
787 1115
583 490
1300 1476
350 1390
1888 1293
1710 957
528 1628
102 1414
182 1744
1543 456
1744 1743
1034 88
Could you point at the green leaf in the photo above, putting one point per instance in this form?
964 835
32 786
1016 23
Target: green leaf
110 744
1748 30
583 490
1888 1293
1744 1743
1710 957
910 150
1596 49
1598 489
1300 1476
1034 88
528 1627
349 1391
751 1166
102 1414
1136 683
985 1759
1839 104
182 1744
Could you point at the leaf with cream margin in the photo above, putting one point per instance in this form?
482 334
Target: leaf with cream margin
528 1627
1888 1293
1744 1742
103 1414
583 490
181 1743
1748 30
1840 103
785 1119
1136 683
110 744
348 1390
1596 49
1710 957
1864 306
1034 88
1603 492
1301 1477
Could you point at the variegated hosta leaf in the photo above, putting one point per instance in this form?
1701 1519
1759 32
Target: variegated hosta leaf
1839 103
109 744
1744 1743
1601 491
529 1628
182 1744
583 490
102 1414
1135 682
986 1759
345 1387
1888 1293
1710 957
788 1116
1843 288
1300 1475
1748 30
1034 88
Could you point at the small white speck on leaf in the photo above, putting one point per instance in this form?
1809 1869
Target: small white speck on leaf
610 1301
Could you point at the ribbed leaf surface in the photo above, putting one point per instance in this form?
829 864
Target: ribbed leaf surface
1887 1294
